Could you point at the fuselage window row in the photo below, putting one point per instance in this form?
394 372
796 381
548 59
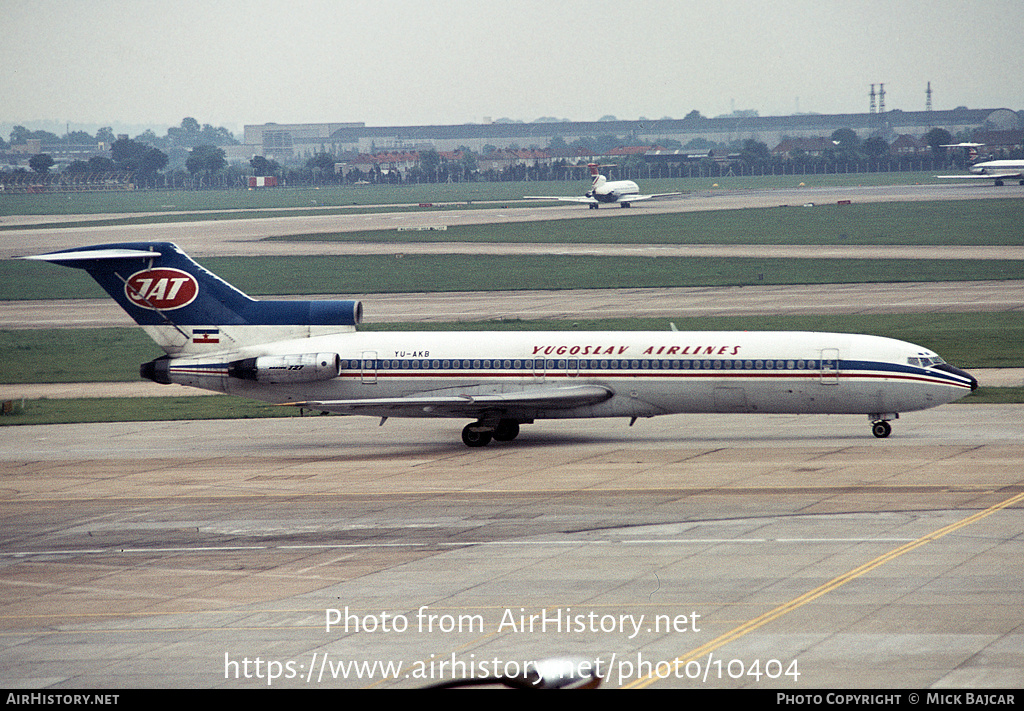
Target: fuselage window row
598 365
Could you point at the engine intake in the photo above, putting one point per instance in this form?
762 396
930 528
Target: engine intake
300 368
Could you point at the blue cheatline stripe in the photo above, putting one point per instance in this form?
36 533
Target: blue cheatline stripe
553 368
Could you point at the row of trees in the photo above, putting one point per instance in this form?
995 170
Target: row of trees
195 147
142 160
205 164
187 135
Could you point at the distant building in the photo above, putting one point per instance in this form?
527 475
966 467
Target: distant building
621 151
499 160
301 140
61 152
1000 141
814 147
906 145
390 161
293 142
31 147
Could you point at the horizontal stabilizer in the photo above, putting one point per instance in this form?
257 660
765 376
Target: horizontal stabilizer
79 255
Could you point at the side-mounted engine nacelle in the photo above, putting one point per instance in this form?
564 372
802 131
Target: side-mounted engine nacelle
300 368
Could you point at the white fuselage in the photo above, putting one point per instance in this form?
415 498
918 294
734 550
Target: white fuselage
996 166
613 191
309 354
648 373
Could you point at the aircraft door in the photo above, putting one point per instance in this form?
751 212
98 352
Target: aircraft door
539 370
368 368
829 373
572 367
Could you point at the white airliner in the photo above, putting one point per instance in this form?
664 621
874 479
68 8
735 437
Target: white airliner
602 190
310 354
997 170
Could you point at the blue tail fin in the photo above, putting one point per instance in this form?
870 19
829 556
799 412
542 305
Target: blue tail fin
187 309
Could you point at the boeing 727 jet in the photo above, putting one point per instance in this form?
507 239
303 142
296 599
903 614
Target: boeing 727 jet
310 354
996 170
618 192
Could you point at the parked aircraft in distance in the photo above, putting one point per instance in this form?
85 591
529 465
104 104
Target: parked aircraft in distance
996 170
311 355
602 190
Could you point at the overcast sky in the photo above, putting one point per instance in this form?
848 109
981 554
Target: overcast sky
399 62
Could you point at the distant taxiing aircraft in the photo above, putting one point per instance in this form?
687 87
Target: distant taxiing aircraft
997 170
602 190
310 354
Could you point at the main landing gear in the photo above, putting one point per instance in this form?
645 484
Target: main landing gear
880 426
480 434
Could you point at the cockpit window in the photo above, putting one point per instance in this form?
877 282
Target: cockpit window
926 362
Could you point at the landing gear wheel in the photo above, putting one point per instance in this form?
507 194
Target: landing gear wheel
474 437
506 431
881 429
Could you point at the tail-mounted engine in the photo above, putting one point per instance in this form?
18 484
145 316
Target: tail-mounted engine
301 368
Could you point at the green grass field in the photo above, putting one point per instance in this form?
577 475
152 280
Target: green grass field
140 409
90 203
371 274
952 222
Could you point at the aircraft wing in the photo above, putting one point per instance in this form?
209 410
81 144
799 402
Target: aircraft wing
465 405
592 201
634 198
983 176
584 200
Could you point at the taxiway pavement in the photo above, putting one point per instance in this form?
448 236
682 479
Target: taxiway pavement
690 551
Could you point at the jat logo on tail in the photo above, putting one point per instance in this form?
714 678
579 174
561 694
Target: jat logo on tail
161 289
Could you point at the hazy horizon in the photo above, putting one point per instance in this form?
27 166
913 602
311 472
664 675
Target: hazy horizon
149 64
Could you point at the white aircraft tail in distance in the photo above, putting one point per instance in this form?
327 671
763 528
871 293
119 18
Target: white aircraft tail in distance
311 354
603 191
996 170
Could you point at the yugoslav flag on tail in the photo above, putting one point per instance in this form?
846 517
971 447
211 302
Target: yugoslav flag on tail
189 310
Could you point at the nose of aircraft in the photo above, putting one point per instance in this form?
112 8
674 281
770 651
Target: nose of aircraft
959 373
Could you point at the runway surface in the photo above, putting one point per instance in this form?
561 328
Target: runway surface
690 551
236 237
801 299
761 552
